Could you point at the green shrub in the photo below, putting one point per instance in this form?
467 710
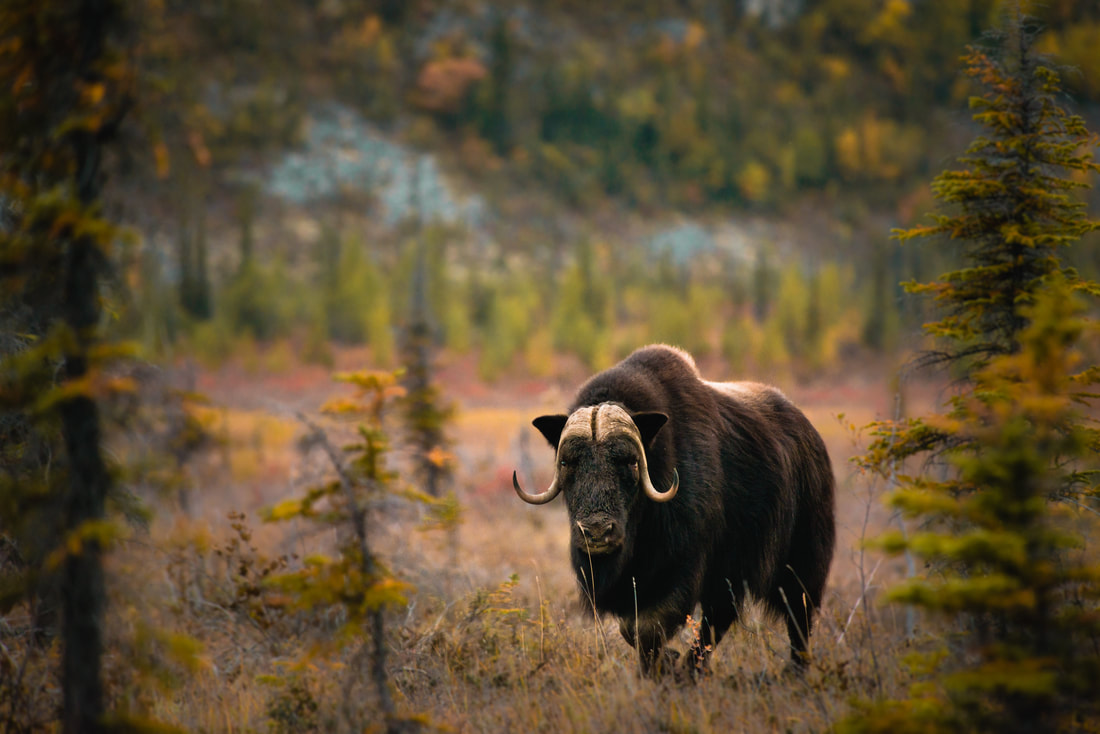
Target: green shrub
255 301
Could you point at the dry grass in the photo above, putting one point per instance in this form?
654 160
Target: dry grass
493 644
491 639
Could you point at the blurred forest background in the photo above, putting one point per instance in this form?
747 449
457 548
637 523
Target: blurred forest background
579 180
460 209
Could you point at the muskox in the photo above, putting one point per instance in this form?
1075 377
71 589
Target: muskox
684 492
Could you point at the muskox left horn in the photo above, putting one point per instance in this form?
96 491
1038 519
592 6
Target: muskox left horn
653 494
647 483
536 499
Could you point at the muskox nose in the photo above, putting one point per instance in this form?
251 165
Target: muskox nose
598 535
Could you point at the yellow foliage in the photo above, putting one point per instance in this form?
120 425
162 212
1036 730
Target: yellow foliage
382 382
92 94
384 592
385 53
741 343
538 354
754 181
772 353
683 132
366 33
787 92
871 143
184 649
317 560
890 23
283 510
279 358
694 35
848 153
102 533
342 406
837 68
439 457
162 160
875 149
95 384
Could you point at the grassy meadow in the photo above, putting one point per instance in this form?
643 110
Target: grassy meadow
491 637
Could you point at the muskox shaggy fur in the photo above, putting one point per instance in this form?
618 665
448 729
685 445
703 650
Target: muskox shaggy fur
751 508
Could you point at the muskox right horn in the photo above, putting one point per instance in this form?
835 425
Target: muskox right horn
536 499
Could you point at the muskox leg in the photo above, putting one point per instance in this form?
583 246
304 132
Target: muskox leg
801 582
797 604
719 613
648 638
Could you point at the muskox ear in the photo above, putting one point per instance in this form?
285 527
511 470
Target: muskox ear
551 426
648 425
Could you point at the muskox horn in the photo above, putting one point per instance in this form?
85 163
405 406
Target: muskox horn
653 494
647 483
536 499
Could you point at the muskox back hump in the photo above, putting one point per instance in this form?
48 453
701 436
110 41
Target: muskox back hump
664 361
646 380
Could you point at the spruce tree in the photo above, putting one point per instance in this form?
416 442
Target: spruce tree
1004 565
1008 569
1011 207
357 580
426 415
1009 212
69 86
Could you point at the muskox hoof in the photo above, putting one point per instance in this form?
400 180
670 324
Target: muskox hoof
693 667
797 665
657 664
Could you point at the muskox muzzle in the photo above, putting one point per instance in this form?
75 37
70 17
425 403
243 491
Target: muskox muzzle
599 535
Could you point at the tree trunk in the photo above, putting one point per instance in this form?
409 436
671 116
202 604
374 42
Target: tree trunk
83 593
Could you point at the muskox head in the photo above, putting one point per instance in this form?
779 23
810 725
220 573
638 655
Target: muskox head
601 469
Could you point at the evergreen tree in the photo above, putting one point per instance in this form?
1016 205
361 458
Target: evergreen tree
1007 565
425 414
358 580
68 89
194 285
496 122
1012 206
1003 563
1011 211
